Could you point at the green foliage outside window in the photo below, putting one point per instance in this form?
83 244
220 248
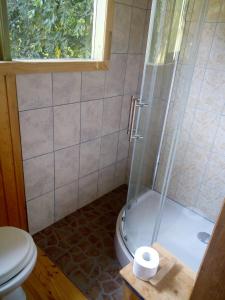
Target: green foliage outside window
44 29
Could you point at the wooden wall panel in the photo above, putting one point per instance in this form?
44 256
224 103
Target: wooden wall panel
210 282
16 147
13 197
3 211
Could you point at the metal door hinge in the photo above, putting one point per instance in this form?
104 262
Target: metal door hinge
137 137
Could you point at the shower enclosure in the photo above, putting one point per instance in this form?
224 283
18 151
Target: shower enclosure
157 133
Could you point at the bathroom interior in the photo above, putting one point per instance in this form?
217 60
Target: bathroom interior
131 155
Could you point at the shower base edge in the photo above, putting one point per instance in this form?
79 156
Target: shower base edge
122 253
179 230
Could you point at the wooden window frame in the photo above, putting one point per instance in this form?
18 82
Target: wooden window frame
61 65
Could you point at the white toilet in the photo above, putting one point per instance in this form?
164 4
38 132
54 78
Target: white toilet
18 255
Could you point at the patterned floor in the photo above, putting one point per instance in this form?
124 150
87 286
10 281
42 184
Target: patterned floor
82 245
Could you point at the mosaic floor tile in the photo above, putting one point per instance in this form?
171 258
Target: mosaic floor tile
82 245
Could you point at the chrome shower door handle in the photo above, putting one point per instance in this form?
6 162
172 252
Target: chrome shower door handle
131 115
135 103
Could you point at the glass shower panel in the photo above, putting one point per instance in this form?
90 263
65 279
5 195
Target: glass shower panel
177 227
164 40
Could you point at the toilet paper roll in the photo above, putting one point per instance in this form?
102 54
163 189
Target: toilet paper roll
146 262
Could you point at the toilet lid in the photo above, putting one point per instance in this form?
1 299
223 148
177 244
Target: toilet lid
16 250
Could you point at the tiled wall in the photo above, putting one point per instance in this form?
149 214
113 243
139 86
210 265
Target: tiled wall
73 125
198 178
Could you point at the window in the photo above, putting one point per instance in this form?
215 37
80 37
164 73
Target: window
55 30
40 29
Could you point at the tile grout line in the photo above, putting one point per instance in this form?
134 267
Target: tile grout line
101 132
74 145
78 179
54 207
75 180
71 103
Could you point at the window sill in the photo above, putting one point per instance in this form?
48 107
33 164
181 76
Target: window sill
50 66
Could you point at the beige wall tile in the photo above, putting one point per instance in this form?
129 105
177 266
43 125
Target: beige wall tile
106 180
145 35
213 187
213 10
137 30
121 172
89 157
219 144
129 2
140 74
222 12
149 4
205 43
217 53
66 200
204 128
163 81
111 115
141 3
146 86
196 9
116 75
126 103
34 91
66 165
93 85
123 146
132 74
189 9
186 127
196 86
39 175
171 120
88 189
121 28
191 174
159 179
210 204
195 159
40 212
214 176
66 125
198 176
91 119
157 114
108 152
213 91
173 184
36 128
186 52
66 88
187 195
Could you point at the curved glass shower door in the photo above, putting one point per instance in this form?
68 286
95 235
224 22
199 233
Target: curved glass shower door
169 65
